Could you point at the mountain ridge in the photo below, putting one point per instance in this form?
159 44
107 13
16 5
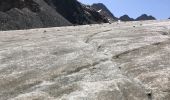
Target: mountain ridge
105 11
145 17
26 14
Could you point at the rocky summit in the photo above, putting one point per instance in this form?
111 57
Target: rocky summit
119 61
126 18
103 10
145 17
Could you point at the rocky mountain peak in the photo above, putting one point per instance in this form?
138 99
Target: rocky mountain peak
103 10
145 17
126 18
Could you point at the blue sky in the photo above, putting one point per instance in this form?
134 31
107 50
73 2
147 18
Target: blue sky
134 8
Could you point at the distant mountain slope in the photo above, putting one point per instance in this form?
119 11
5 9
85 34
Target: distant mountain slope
145 17
126 18
20 14
102 9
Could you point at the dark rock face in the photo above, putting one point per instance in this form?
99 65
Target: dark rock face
75 12
145 17
142 17
93 16
6 5
126 18
24 14
103 10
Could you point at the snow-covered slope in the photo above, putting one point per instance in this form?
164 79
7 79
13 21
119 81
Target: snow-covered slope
119 61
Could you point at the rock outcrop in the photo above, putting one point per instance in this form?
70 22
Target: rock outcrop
97 62
103 10
145 17
126 18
